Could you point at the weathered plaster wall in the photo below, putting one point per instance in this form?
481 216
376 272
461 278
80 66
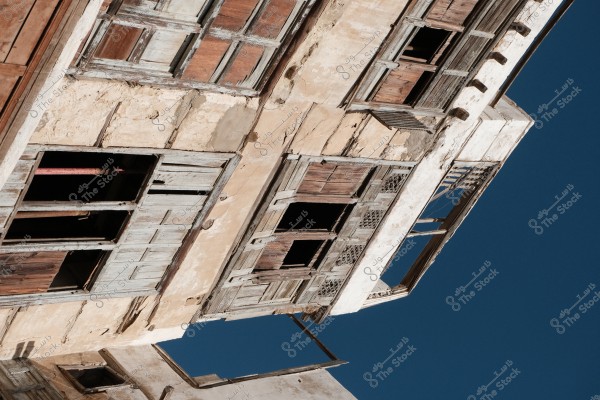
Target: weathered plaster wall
298 117
150 373
115 114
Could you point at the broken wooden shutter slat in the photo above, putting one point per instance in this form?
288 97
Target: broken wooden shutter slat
400 120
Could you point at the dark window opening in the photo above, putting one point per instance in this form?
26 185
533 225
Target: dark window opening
301 253
426 44
314 216
77 270
94 379
87 177
69 225
419 87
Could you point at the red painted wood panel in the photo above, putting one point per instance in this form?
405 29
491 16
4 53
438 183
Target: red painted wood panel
7 84
242 65
206 59
234 14
12 16
118 42
272 19
399 83
22 273
31 32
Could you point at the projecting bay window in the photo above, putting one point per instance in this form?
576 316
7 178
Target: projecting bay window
444 213
207 44
313 218
309 232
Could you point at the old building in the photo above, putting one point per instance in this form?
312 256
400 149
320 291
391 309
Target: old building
171 161
147 373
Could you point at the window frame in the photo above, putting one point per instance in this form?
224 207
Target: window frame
64 369
181 224
86 65
479 33
472 191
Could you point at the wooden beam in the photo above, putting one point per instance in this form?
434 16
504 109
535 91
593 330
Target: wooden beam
77 171
59 206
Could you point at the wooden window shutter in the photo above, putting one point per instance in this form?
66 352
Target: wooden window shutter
398 85
24 273
206 59
243 65
452 11
333 179
274 254
234 14
273 18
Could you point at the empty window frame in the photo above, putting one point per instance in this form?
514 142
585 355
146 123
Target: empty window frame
79 196
93 378
443 214
324 217
221 43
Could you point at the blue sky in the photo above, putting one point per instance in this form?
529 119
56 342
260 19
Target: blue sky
510 320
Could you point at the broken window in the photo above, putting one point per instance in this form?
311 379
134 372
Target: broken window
429 55
227 43
72 196
436 224
92 379
302 253
425 45
417 63
307 229
314 216
89 177
70 199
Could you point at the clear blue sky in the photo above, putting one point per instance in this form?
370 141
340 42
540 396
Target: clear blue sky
510 319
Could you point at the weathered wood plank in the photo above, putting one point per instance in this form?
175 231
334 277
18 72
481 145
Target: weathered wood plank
31 32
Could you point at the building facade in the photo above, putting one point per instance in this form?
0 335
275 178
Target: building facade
147 373
167 161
